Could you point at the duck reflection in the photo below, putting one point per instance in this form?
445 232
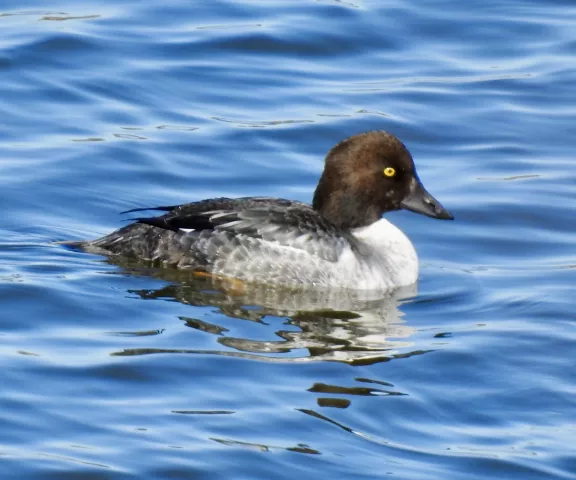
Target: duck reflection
355 327
352 327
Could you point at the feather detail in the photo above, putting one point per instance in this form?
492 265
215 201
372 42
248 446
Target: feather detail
281 222
144 209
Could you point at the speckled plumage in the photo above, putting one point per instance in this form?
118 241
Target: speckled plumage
240 238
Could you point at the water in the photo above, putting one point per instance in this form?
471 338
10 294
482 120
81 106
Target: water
115 372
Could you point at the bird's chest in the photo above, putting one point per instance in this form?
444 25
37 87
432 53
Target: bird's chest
386 257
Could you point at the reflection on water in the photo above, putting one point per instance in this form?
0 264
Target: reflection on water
352 327
355 327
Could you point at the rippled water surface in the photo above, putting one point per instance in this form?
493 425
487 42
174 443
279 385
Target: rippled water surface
114 371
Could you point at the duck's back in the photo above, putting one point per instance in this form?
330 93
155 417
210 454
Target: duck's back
256 239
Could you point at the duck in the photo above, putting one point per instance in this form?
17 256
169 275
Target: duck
341 240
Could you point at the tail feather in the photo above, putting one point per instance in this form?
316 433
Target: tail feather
75 244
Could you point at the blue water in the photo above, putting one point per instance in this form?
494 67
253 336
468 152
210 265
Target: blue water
114 372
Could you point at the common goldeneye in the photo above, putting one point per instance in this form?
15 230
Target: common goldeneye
338 241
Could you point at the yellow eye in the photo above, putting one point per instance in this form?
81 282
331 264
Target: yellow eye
389 172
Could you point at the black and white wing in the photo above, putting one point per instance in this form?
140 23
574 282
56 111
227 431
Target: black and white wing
280 222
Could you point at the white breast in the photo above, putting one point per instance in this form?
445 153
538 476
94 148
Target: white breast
387 257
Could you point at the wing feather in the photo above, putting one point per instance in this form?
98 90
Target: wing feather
281 222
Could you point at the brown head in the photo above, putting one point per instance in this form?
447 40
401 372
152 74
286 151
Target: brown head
367 175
